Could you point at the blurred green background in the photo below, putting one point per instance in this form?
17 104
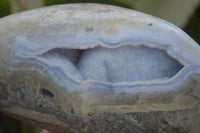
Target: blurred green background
183 13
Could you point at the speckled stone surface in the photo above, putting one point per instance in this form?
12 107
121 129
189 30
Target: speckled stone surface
92 68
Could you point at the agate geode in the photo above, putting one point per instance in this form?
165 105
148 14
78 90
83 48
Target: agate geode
98 68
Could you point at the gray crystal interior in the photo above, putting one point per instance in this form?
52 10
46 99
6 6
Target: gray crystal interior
126 63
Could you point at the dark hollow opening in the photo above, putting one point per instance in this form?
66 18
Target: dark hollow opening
46 92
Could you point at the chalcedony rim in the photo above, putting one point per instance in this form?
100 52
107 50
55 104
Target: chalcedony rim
135 29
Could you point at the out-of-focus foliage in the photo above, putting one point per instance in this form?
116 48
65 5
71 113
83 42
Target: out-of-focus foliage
123 3
22 5
193 26
10 125
175 11
180 12
4 8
